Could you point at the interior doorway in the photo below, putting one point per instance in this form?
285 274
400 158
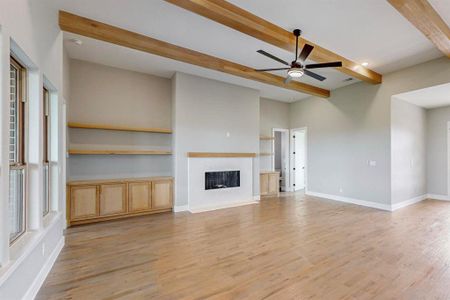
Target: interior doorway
280 159
298 159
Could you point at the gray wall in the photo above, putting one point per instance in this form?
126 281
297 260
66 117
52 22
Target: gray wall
273 114
437 157
103 94
408 146
204 111
352 127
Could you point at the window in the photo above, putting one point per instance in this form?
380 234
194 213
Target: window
46 143
17 150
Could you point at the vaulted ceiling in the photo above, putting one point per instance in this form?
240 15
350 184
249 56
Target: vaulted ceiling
362 31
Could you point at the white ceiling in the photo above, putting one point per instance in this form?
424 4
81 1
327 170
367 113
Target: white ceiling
432 97
369 30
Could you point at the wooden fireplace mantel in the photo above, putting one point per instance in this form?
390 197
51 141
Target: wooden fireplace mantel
221 154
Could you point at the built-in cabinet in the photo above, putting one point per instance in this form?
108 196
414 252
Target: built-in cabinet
269 183
83 202
139 196
161 194
100 200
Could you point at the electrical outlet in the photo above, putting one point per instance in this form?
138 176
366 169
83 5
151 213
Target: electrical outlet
341 190
228 134
372 163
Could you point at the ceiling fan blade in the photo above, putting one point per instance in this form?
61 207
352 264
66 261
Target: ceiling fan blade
273 57
288 79
324 65
274 69
306 51
314 75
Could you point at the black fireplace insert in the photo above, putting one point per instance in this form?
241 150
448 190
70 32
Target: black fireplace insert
222 180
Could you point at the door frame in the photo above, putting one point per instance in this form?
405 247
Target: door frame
287 151
291 156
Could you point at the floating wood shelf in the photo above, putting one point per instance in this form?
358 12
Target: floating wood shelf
265 154
221 154
117 152
118 128
266 138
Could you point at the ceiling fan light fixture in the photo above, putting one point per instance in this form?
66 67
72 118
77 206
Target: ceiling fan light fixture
296 72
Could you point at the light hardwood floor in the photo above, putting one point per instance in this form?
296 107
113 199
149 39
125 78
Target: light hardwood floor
284 248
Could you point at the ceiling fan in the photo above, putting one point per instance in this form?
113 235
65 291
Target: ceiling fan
297 68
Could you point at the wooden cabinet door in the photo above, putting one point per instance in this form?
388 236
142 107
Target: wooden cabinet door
83 202
113 199
139 196
264 184
161 194
274 182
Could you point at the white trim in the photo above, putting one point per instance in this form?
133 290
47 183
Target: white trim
256 197
35 239
179 208
350 200
408 202
40 278
220 206
438 197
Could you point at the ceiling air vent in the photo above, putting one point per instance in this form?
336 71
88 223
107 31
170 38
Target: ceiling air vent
347 79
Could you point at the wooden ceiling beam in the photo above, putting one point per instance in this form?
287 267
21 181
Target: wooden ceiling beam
111 34
241 20
425 18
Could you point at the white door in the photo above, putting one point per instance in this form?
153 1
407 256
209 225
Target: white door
299 151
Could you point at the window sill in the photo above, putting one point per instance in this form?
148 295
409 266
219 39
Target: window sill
50 218
20 250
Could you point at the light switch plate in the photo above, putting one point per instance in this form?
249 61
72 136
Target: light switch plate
372 163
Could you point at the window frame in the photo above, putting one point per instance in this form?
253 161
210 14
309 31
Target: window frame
46 140
21 100
20 162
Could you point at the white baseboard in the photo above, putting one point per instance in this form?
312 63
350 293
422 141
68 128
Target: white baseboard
220 206
408 202
350 200
438 197
181 208
40 278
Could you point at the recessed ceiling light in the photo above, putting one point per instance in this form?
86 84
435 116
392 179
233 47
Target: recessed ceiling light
365 64
76 41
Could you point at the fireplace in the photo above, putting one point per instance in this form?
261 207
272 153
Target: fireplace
221 180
